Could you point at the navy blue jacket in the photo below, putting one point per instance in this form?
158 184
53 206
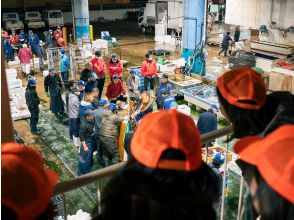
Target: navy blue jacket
225 42
207 122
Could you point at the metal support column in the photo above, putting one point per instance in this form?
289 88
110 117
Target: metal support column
81 19
193 32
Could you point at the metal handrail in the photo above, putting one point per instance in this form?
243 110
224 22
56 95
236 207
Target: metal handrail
98 175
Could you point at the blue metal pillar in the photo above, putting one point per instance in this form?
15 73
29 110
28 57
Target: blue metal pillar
81 19
193 32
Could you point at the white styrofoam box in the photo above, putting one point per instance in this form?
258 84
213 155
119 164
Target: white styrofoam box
184 109
20 112
45 73
179 62
264 64
15 62
283 71
160 30
11 74
15 83
113 40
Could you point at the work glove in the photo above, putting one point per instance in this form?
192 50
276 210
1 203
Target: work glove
47 94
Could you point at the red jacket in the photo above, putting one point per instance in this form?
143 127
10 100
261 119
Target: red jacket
116 67
115 90
98 66
148 69
60 42
14 40
56 33
4 34
25 55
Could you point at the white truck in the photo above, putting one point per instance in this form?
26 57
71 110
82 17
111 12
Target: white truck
54 18
33 20
169 12
11 21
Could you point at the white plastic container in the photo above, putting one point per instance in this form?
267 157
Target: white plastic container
184 109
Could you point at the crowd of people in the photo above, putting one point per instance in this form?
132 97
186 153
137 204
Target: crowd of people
92 132
27 45
165 177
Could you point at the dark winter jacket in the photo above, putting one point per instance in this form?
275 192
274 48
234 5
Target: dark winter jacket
83 107
110 124
98 118
225 42
86 130
85 75
90 85
32 98
207 122
280 107
95 102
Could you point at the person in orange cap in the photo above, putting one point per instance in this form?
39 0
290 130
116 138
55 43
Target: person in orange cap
244 102
267 166
27 186
165 178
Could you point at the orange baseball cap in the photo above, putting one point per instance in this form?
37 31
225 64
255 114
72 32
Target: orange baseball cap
167 129
243 87
27 186
274 158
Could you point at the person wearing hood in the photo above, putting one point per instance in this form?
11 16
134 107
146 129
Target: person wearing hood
109 132
115 67
23 37
85 73
8 50
85 161
74 115
33 101
163 91
149 71
53 87
116 90
133 83
86 104
64 65
99 69
49 39
25 55
92 83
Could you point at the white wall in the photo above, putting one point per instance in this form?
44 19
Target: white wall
109 15
243 12
253 13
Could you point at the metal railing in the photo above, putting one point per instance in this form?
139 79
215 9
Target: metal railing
98 175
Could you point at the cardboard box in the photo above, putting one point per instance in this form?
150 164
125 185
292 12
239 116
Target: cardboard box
215 149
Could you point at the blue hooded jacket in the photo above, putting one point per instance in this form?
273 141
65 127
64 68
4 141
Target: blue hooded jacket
64 63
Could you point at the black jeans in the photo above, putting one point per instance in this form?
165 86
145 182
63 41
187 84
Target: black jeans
100 84
65 76
74 126
223 50
120 98
146 83
34 110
